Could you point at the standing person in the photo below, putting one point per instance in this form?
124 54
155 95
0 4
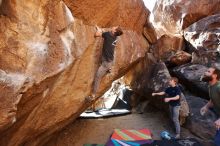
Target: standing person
110 40
212 76
173 99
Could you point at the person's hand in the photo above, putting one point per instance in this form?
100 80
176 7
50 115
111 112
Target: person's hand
217 124
166 100
201 77
110 69
203 110
98 29
153 94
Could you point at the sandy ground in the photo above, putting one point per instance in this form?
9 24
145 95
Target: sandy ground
98 131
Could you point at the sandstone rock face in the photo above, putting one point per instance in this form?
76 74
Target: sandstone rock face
172 16
204 36
150 33
180 58
166 46
109 13
48 60
189 75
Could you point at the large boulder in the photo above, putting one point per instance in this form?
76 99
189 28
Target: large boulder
145 80
126 13
204 36
149 32
189 75
172 16
201 126
158 82
48 60
166 46
180 58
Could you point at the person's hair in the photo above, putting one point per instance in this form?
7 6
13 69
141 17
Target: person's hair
174 79
217 72
118 31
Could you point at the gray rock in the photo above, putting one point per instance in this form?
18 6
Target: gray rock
201 126
158 82
189 75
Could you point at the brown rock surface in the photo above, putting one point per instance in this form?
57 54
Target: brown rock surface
166 46
204 36
172 16
126 13
149 32
180 58
48 60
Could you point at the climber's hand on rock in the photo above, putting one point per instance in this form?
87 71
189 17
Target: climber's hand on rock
98 29
110 69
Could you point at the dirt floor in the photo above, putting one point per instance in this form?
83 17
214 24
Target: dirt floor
97 131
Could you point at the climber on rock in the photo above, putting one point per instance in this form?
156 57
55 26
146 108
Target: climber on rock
107 57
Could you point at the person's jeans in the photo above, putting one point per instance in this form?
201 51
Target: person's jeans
174 113
102 70
217 138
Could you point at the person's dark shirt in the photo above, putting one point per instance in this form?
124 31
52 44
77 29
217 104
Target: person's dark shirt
172 92
108 46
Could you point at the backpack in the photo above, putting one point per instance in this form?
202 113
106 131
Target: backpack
184 107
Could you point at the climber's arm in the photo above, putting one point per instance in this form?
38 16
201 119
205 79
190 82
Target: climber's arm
98 32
